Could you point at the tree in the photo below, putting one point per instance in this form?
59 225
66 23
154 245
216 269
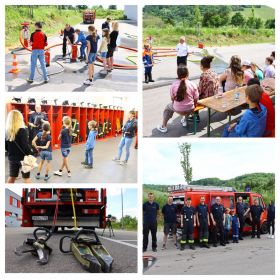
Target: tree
82 7
258 23
197 19
185 150
270 24
112 7
238 19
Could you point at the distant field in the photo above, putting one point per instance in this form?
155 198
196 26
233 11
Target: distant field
264 13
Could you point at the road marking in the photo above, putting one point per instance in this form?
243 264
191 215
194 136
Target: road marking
120 242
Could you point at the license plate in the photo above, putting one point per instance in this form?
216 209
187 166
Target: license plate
40 218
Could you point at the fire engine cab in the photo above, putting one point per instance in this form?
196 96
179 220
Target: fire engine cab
228 195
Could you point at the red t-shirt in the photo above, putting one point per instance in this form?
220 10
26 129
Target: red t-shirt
38 40
270 117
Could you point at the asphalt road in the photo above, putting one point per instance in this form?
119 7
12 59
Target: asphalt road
248 257
123 248
74 74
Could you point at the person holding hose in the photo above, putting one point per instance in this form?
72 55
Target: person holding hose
68 35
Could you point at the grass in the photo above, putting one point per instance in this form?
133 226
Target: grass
53 20
264 13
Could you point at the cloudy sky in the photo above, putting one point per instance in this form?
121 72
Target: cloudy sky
161 161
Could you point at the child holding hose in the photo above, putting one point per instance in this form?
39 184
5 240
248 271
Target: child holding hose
81 39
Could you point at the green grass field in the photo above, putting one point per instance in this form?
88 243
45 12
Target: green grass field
264 13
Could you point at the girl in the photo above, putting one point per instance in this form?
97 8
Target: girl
42 142
103 49
92 41
233 76
66 139
129 131
257 71
269 70
16 145
184 96
227 225
112 46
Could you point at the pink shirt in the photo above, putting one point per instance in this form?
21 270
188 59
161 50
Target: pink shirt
190 99
248 74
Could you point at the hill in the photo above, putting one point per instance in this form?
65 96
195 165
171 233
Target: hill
263 12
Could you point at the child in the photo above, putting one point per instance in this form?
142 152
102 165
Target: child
269 70
92 41
228 224
103 49
38 41
42 142
235 228
148 60
90 144
184 95
66 139
182 51
248 72
113 45
253 121
81 39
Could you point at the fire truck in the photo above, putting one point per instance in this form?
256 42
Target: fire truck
229 196
89 16
54 208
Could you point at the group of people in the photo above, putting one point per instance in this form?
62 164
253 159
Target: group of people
215 219
89 47
37 140
257 121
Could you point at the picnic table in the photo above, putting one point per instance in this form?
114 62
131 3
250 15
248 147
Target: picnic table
224 104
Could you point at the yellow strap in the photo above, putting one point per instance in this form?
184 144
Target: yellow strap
74 210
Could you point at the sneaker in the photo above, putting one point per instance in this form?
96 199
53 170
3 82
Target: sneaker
269 236
46 178
29 81
116 159
124 162
191 118
154 249
46 81
80 57
236 241
88 166
58 173
163 247
258 237
272 236
144 250
69 174
184 122
64 57
37 176
87 82
206 246
223 244
162 129
84 163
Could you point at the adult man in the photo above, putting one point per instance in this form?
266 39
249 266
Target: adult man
68 35
218 217
188 222
106 24
271 219
169 211
241 211
150 212
255 217
35 122
203 222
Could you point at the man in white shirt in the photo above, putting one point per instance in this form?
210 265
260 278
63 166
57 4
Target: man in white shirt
182 51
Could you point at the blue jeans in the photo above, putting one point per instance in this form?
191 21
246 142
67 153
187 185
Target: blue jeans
125 141
89 157
91 58
38 54
65 152
82 50
226 133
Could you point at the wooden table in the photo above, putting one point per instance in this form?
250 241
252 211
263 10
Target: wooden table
223 104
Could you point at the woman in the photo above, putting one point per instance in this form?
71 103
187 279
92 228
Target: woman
209 80
257 71
112 46
16 145
233 76
128 131
184 96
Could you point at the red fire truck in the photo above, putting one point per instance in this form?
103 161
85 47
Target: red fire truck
228 198
39 207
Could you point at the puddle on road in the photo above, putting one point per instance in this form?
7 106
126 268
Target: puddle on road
148 261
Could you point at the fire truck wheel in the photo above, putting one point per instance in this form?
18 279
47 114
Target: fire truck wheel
264 228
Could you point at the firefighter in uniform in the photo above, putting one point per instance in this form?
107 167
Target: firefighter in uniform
150 213
241 211
188 222
203 222
218 218
148 60
255 217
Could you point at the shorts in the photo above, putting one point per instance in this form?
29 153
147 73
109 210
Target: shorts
46 155
103 54
65 152
170 227
110 52
91 58
14 167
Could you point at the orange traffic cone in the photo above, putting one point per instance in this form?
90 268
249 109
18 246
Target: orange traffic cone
15 68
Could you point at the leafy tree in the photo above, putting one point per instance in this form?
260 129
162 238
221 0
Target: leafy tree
238 19
197 19
185 150
270 24
112 7
82 7
258 23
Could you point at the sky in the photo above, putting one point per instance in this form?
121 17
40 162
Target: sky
161 161
114 201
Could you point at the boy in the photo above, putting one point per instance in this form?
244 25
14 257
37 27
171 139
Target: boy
90 144
68 35
92 41
38 42
81 39
235 227
253 121
148 60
